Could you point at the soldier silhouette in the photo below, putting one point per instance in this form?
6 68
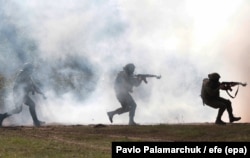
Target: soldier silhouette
124 83
210 94
23 86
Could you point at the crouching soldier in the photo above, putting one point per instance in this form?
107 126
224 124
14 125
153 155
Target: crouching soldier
210 94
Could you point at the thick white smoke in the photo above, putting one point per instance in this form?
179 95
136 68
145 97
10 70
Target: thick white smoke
79 46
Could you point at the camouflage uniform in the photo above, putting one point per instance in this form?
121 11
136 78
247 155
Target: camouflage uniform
124 84
210 95
22 87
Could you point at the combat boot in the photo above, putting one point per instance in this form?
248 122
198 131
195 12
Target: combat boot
232 119
220 122
132 123
38 123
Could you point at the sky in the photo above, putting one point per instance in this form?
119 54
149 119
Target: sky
78 47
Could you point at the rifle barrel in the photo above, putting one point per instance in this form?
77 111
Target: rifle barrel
148 75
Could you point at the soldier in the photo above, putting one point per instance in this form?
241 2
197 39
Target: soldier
124 83
23 85
210 94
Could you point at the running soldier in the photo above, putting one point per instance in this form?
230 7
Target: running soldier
124 83
23 86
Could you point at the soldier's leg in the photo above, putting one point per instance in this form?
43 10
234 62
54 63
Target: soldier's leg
123 99
32 110
217 104
132 114
19 99
219 115
2 117
228 105
118 111
132 108
18 109
123 109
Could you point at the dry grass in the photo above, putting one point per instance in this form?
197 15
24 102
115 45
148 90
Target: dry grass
94 141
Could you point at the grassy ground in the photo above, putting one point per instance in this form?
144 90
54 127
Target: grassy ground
94 141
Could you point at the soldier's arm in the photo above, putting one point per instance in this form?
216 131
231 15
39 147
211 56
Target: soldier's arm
37 89
225 87
137 81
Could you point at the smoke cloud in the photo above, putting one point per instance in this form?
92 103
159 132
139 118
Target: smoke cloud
79 46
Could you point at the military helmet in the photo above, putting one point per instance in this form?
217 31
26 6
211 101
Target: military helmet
129 68
28 67
214 76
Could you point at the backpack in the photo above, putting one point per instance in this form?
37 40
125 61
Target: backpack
204 82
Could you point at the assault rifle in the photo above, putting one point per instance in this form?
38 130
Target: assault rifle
145 76
228 87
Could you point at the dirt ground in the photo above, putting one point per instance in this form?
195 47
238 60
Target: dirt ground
96 140
74 134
